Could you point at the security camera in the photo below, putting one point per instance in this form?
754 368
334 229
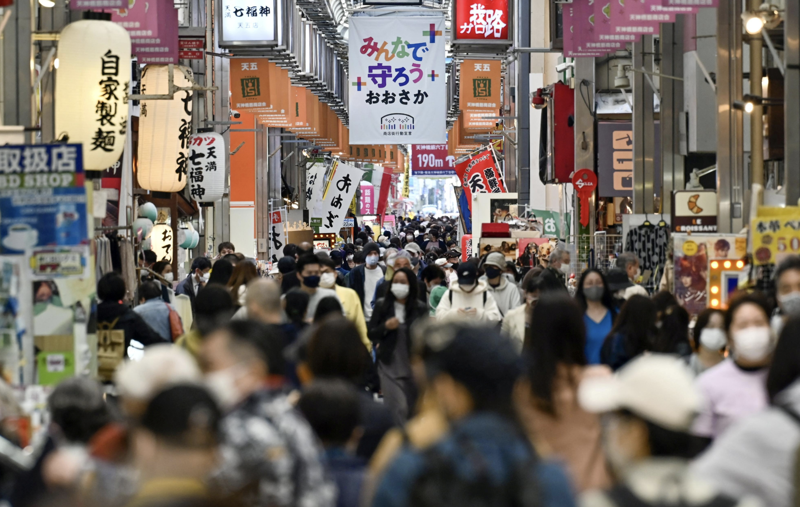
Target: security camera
561 67
235 113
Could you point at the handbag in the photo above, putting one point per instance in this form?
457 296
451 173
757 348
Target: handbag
175 324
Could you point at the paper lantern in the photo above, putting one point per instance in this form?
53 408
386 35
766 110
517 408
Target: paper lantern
207 167
148 210
165 129
195 239
161 242
185 238
142 224
92 81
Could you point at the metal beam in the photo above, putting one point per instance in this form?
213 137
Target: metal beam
672 162
523 107
791 101
643 128
730 172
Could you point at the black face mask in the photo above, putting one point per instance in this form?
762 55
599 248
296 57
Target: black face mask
312 282
492 272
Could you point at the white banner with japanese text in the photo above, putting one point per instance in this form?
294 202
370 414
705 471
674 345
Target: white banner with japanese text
278 234
339 192
397 80
315 184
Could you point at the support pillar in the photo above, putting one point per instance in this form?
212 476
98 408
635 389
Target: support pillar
791 101
730 169
643 128
523 103
584 138
672 162
756 116
18 100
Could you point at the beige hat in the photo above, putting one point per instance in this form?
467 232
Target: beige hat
495 259
655 387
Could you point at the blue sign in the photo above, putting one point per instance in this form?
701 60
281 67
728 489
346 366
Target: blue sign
42 197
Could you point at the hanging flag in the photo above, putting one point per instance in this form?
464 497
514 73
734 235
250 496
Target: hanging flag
277 234
479 174
315 184
339 193
367 198
397 80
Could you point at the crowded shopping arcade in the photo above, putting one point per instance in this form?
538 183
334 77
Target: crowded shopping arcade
399 253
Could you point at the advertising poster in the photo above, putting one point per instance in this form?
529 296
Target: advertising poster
775 234
431 160
397 80
506 246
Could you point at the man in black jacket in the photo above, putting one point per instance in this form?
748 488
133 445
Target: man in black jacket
196 280
364 278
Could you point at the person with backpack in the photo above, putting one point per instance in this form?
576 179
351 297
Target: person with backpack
506 293
649 406
468 298
485 459
160 316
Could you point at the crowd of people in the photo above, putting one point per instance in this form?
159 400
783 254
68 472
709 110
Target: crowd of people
392 371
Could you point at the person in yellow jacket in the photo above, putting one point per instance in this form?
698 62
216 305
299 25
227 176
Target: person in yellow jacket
351 303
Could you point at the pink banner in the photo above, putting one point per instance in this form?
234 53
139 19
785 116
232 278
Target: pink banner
140 19
697 3
163 49
603 25
583 32
83 5
367 199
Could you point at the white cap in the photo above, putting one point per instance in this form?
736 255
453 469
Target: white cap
655 387
442 263
161 366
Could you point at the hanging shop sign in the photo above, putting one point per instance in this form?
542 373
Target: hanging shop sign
137 19
165 129
191 48
206 163
315 186
406 180
775 233
482 21
161 48
694 211
615 158
432 160
161 242
397 80
250 83
339 193
479 85
278 234
59 262
479 174
92 88
42 197
367 199
248 23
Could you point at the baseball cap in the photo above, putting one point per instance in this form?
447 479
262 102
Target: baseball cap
467 273
617 279
495 259
655 387
451 254
413 247
184 415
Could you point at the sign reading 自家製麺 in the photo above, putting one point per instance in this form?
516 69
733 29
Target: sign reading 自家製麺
397 80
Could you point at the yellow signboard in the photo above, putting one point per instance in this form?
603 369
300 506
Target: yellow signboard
775 234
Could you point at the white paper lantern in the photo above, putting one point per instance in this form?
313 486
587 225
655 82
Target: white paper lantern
92 81
185 238
142 224
148 210
207 167
165 129
161 242
195 239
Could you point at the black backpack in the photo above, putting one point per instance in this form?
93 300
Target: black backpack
441 486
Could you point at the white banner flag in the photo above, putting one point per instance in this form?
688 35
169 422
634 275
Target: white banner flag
397 80
278 234
315 184
339 194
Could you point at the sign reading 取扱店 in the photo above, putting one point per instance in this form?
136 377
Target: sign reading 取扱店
248 23
397 80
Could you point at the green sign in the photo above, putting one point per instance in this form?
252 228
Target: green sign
551 223
53 367
316 223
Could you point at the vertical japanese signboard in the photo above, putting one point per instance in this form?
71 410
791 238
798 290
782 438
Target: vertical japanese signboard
367 199
277 234
397 80
479 174
250 83
315 185
479 86
481 21
206 170
432 160
339 194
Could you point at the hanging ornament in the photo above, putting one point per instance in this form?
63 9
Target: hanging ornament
148 210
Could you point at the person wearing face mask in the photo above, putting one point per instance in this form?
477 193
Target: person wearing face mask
364 278
348 298
559 264
436 284
196 280
468 298
162 273
400 260
787 291
505 294
389 332
416 254
309 274
630 263
708 340
648 408
599 311
155 312
736 387
269 455
517 319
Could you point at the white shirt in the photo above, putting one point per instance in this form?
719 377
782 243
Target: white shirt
195 284
371 279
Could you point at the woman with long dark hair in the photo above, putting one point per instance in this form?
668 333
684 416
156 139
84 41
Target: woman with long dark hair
389 332
634 332
221 273
547 401
599 310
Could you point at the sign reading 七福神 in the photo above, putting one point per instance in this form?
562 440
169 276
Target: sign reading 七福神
278 234
339 193
397 80
249 23
482 21
206 162
479 174
432 160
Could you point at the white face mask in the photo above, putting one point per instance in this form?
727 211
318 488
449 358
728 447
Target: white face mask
169 278
222 385
753 343
790 303
327 280
400 290
564 268
468 288
205 277
713 339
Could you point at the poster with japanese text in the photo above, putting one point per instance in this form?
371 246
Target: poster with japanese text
482 20
339 193
432 160
397 80
278 234
479 174
479 86
775 235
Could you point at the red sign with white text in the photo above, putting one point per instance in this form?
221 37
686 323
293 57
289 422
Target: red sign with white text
431 160
479 174
482 20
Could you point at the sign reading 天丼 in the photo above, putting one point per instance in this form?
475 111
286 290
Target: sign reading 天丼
397 80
